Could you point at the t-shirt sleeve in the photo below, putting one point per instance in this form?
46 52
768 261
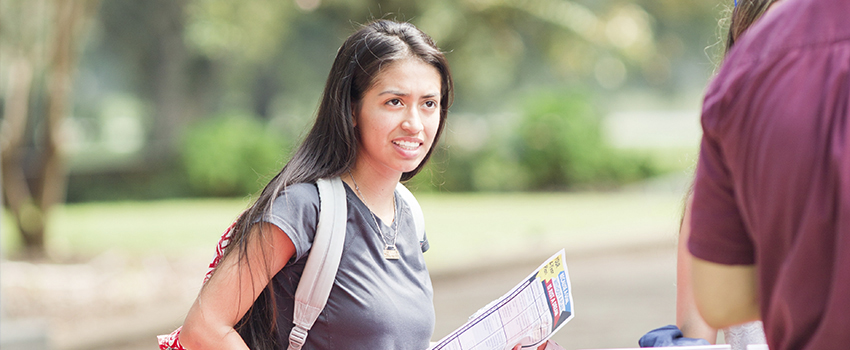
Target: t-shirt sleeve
718 233
296 212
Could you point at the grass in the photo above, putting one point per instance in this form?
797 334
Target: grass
482 228
462 228
136 228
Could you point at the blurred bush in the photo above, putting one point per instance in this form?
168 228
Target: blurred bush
555 142
231 155
560 146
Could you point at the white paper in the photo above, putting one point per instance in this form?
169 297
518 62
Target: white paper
529 314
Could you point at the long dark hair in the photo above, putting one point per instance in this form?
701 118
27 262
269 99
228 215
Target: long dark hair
330 148
743 16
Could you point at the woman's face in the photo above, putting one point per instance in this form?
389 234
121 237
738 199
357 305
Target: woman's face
398 117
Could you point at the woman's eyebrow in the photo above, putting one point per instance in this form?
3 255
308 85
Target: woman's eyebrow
393 92
399 93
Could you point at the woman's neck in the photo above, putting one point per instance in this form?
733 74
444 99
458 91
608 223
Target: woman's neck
375 190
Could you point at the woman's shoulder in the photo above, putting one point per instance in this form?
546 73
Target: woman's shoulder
295 211
300 195
301 189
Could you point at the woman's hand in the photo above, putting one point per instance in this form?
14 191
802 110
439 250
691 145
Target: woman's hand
541 347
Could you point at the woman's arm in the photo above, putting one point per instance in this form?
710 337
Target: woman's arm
233 288
688 318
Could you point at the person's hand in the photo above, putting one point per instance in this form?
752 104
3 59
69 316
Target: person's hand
668 336
541 347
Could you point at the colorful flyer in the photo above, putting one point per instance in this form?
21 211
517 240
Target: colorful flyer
529 314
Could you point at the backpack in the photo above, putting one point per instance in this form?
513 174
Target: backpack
322 263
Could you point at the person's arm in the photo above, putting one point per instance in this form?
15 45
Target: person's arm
688 318
232 290
724 294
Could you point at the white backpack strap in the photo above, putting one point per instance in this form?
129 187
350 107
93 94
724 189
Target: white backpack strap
418 218
322 262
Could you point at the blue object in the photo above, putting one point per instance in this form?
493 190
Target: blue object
669 335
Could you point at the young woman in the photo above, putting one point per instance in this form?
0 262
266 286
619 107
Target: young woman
383 109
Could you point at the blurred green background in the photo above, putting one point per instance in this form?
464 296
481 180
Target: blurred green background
183 106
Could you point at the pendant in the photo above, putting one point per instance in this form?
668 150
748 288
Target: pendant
390 253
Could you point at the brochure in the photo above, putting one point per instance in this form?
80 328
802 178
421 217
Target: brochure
529 314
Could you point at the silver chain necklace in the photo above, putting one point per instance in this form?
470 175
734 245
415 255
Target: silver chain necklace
390 251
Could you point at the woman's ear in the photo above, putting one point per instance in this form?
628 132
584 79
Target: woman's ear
354 116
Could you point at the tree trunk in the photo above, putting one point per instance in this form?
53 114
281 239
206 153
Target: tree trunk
169 80
15 188
30 206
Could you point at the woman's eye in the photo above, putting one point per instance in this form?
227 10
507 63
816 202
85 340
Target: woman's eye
430 104
394 102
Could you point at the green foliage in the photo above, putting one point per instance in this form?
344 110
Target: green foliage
429 179
271 58
561 146
494 167
559 140
554 143
496 171
247 30
231 155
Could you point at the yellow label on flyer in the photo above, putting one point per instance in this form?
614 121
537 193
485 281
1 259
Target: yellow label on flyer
551 269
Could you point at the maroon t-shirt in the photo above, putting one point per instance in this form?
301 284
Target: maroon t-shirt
773 179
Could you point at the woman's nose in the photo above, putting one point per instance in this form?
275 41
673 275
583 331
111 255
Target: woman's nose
412 121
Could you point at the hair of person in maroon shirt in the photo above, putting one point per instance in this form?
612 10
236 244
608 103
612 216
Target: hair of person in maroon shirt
743 16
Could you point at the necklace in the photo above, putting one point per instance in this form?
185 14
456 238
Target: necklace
390 251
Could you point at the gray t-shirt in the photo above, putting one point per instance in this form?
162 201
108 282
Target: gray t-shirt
375 303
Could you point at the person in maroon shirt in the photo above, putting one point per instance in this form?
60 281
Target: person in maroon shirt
770 223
